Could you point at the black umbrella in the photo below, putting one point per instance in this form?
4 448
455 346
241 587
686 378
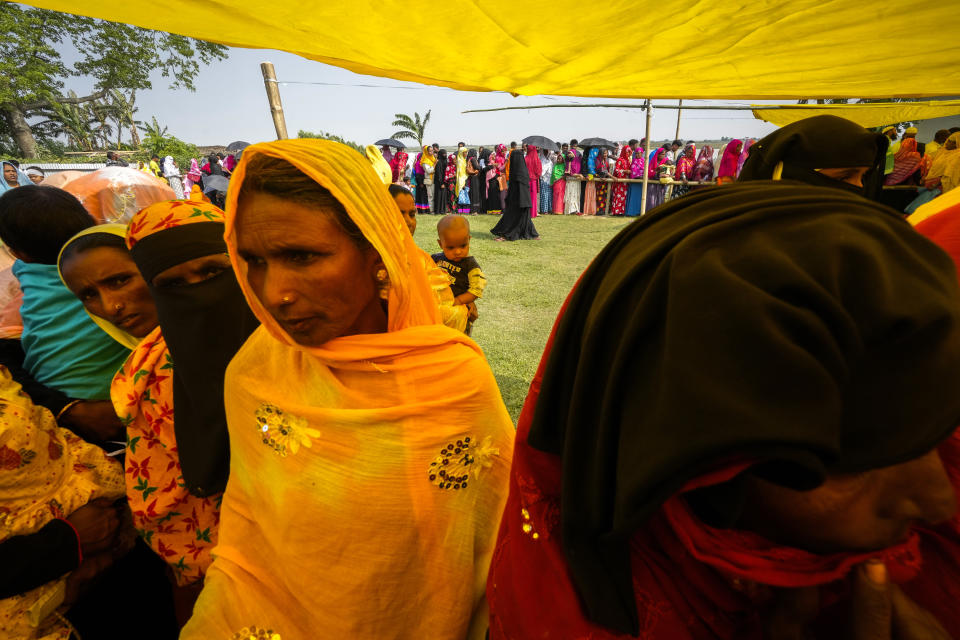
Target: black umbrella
239 145
390 142
542 142
215 183
598 142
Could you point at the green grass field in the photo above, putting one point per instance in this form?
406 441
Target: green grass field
527 281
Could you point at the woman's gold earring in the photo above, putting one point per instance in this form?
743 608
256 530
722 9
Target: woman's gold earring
381 277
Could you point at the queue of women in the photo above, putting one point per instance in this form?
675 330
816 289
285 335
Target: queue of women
475 181
309 453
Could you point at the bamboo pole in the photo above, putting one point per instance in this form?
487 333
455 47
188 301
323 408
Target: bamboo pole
273 97
676 136
646 165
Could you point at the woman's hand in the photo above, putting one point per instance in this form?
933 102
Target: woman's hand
882 611
93 420
96 525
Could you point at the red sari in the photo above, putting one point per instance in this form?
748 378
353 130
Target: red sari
398 166
691 581
618 203
686 164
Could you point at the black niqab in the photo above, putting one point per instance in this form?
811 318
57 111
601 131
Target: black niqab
203 324
820 142
805 328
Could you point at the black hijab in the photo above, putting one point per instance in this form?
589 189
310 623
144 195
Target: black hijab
805 328
215 168
441 167
820 142
204 325
584 162
518 187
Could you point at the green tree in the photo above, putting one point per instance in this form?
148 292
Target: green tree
412 128
323 135
157 140
113 55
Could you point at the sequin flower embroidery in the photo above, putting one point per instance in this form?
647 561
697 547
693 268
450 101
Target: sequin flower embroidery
255 633
459 460
283 432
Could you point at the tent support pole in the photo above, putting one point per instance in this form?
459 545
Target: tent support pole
273 97
676 136
646 163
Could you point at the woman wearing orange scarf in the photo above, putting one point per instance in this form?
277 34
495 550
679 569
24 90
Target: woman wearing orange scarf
369 445
163 287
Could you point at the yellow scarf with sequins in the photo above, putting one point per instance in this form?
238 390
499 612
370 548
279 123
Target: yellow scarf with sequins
367 476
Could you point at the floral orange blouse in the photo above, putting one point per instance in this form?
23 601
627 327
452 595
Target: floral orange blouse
180 527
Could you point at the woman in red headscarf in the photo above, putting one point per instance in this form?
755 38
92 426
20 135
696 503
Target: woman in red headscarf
398 166
656 191
686 164
618 206
728 164
534 168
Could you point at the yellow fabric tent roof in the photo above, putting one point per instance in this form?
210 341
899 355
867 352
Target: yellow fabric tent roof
703 49
866 115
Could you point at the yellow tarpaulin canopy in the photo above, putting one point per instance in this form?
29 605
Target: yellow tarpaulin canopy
624 48
866 115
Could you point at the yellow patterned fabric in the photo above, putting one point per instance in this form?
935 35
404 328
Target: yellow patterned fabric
776 50
380 164
45 472
181 528
368 475
452 315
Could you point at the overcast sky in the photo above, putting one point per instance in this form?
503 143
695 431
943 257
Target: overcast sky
230 104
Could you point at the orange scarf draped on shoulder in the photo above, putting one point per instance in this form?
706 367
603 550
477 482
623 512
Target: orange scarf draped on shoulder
367 475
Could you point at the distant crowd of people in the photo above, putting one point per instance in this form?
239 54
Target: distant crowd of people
474 181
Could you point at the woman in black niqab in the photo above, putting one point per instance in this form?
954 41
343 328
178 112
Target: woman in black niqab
441 196
516 224
801 150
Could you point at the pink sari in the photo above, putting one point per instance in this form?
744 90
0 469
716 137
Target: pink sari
535 169
728 164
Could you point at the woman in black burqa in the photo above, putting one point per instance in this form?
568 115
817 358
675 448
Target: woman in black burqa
516 224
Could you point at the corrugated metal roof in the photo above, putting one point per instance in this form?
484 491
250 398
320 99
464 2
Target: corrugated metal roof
55 166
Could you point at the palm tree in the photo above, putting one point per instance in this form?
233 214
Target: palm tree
154 135
412 128
123 114
102 111
75 122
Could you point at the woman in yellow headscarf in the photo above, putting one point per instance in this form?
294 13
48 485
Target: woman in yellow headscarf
945 169
461 171
380 165
428 163
369 444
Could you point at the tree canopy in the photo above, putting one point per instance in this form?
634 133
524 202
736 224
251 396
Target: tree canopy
115 56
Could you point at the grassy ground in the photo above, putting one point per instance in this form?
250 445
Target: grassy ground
527 281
